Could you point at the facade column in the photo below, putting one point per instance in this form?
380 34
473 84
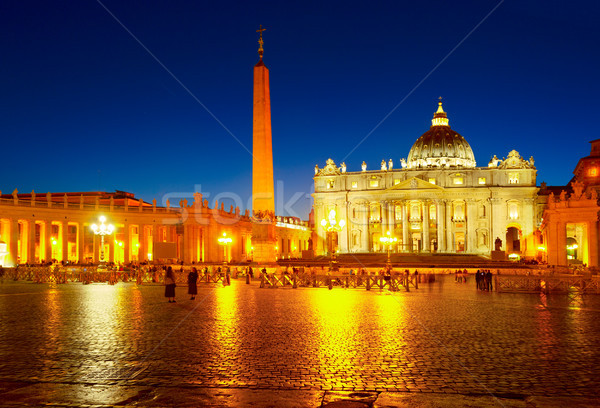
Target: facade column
561 241
426 238
383 205
31 241
391 217
450 246
365 227
318 245
471 226
344 247
405 243
64 239
441 227
47 241
593 243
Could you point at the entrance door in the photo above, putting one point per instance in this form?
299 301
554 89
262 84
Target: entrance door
460 241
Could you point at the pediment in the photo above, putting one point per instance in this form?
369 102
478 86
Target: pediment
414 183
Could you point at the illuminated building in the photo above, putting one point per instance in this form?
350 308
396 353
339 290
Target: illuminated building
36 228
570 219
438 200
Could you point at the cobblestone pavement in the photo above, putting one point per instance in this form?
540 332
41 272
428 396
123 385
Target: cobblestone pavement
126 345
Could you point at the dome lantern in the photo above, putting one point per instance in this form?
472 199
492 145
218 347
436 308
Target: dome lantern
440 146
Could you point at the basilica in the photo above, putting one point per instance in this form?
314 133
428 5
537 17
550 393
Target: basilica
437 201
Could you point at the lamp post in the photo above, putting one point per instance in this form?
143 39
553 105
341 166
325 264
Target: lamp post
332 226
225 241
388 240
102 230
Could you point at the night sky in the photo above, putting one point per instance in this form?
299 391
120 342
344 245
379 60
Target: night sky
85 107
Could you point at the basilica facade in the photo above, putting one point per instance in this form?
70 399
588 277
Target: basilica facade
437 201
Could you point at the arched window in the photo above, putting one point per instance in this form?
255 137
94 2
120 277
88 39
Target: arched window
415 212
513 211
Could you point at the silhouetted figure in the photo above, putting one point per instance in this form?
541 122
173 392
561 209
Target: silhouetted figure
192 283
170 285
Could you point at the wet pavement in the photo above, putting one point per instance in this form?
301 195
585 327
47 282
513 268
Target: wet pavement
445 344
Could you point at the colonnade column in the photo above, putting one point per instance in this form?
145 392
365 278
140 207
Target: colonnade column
426 238
186 256
31 241
13 246
405 245
111 247
65 241
127 243
441 221
47 241
152 238
79 241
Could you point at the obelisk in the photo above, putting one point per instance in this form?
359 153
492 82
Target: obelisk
263 195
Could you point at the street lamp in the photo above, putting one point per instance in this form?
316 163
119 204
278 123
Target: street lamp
332 226
225 241
102 230
388 240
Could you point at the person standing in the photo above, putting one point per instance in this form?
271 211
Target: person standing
170 285
192 286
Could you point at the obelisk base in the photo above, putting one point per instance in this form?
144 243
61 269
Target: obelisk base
264 242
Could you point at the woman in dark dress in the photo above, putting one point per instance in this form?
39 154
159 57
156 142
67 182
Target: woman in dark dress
170 285
192 279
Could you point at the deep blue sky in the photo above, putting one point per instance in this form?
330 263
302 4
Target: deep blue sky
85 107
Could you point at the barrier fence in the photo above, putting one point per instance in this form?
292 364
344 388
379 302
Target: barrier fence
547 284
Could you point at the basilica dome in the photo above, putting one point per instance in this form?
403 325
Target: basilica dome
440 146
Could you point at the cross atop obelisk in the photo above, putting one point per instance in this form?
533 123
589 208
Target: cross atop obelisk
260 41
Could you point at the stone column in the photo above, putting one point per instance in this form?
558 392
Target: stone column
47 241
185 253
152 238
343 235
561 241
80 242
391 217
110 240
405 244
426 238
31 241
127 242
383 205
450 246
143 250
471 226
441 221
64 239
365 227
592 228
13 245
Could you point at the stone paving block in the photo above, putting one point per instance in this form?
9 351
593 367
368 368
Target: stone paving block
417 400
234 398
71 394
